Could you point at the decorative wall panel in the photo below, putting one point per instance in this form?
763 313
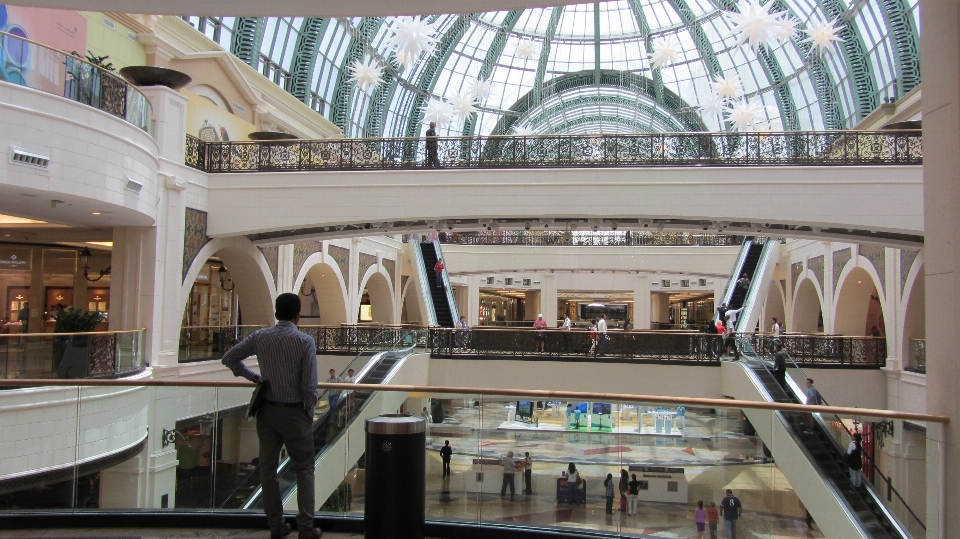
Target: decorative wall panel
302 251
877 256
815 265
840 259
194 237
366 261
272 255
342 256
795 270
391 267
906 263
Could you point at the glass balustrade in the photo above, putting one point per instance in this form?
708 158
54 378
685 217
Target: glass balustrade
108 354
204 455
49 70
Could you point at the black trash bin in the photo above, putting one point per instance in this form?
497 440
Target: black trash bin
436 410
394 502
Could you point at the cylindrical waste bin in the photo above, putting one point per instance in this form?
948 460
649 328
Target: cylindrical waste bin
394 502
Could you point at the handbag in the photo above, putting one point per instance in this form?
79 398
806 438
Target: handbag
623 503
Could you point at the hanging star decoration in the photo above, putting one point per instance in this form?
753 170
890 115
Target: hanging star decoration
822 36
523 131
526 49
480 89
366 75
786 28
411 37
438 111
744 114
462 105
712 104
727 87
754 24
666 50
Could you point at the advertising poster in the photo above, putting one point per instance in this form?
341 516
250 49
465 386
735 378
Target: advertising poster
33 66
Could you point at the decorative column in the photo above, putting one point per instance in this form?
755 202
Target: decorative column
642 302
472 304
548 299
940 48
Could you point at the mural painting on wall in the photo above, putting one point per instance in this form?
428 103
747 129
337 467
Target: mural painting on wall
212 122
36 67
272 255
194 236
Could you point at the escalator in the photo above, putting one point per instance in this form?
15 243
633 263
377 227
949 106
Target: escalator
444 306
826 454
747 260
372 366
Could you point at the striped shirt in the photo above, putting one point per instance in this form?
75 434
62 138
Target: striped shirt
288 361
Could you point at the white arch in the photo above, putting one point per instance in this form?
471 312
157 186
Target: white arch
801 320
332 290
381 297
863 263
774 305
248 269
911 319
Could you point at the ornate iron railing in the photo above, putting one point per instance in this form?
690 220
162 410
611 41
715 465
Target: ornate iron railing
791 148
918 356
195 153
625 238
629 346
107 354
74 78
822 350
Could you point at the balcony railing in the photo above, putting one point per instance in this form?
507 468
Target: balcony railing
791 148
553 344
43 68
205 343
918 356
823 350
108 354
627 238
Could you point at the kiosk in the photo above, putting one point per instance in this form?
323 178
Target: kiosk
602 418
661 484
563 493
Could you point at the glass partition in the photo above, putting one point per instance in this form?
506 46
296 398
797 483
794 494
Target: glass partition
107 354
203 454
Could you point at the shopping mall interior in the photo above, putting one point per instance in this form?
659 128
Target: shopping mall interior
519 220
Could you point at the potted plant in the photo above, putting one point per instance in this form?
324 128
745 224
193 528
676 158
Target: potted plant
70 352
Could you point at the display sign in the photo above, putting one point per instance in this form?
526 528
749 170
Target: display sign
525 409
15 258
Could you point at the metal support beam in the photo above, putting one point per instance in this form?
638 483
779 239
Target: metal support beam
555 15
305 57
906 40
490 60
863 84
343 96
247 40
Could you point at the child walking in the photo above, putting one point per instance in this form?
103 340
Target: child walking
700 517
713 518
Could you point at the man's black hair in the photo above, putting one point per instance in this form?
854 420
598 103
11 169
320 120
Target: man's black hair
288 306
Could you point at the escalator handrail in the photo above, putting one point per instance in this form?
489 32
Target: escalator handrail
840 449
424 280
451 301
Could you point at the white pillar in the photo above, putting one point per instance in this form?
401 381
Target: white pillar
940 48
353 284
285 269
642 303
548 299
473 301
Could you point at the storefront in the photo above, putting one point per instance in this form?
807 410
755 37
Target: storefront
500 309
37 281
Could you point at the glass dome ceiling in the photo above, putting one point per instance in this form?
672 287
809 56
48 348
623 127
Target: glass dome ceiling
592 70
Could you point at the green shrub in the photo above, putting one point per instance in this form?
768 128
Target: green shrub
73 320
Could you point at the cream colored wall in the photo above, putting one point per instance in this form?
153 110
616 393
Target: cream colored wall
114 42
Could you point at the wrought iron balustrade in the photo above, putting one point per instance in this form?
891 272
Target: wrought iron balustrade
822 350
918 356
790 148
625 238
629 346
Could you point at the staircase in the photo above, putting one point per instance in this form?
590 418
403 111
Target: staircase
441 303
828 458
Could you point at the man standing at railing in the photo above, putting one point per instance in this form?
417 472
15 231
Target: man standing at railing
432 159
602 331
288 360
540 325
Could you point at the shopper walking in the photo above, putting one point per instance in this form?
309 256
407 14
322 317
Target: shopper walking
288 369
594 337
432 159
565 327
446 453
780 366
509 468
333 395
527 474
624 487
438 269
855 460
608 485
732 510
700 519
602 334
713 518
573 477
633 491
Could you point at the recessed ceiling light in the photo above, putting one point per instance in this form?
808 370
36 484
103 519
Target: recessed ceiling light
96 213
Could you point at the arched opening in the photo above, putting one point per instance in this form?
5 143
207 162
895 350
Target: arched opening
379 300
323 297
914 328
858 309
806 309
773 307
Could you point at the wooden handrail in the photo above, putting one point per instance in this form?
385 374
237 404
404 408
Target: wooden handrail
534 394
22 335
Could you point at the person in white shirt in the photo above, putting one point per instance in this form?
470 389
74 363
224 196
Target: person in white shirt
775 333
566 327
509 467
350 379
602 330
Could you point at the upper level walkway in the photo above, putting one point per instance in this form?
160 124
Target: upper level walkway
855 185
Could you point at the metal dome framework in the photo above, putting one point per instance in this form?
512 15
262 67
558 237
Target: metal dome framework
593 71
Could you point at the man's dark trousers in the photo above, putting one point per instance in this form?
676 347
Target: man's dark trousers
278 426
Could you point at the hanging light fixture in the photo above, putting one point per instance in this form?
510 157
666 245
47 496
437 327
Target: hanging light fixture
85 256
224 278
